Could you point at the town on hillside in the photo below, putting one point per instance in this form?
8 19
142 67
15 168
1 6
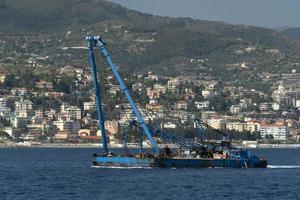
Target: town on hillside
59 106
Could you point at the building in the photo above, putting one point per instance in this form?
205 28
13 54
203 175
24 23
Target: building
89 135
44 85
298 104
112 127
114 89
173 84
279 132
89 132
265 106
169 125
18 122
62 135
284 96
74 112
216 123
24 108
50 114
182 115
9 130
152 77
153 93
69 126
279 93
181 105
48 94
36 127
202 104
154 107
68 70
137 87
252 126
153 101
90 105
276 106
292 97
208 114
3 102
189 94
63 107
18 91
209 93
237 126
2 78
161 88
235 109
245 103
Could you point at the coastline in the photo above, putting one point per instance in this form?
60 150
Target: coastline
278 146
117 146
75 145
55 145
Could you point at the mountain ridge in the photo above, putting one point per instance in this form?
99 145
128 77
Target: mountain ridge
144 42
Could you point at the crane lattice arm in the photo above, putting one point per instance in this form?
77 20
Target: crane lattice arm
97 42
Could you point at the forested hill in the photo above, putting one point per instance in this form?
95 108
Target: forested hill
141 41
292 33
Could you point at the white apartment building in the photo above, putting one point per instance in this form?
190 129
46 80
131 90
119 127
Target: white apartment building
216 123
279 132
235 109
237 126
173 83
202 104
74 112
24 108
23 105
90 105
3 101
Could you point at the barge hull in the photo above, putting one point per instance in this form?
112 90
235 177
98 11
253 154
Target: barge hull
177 162
122 162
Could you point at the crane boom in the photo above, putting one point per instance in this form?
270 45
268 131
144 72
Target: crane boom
98 97
97 41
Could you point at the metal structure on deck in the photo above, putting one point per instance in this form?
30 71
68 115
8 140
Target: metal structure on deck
203 129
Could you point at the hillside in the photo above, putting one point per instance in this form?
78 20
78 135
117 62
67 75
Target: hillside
139 42
292 33
53 16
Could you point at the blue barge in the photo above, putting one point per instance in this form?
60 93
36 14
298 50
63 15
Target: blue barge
241 159
191 154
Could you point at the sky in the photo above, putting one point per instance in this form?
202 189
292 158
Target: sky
266 13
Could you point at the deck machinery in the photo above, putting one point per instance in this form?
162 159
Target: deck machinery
190 153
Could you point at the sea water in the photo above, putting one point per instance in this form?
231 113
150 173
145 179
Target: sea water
67 174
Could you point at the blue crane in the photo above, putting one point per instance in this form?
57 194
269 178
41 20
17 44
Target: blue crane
244 159
98 42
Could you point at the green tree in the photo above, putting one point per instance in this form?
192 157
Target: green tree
9 81
66 84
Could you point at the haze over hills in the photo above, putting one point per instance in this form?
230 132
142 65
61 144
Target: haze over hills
141 42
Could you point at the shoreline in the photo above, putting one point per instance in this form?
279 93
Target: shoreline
278 146
56 145
70 145
120 146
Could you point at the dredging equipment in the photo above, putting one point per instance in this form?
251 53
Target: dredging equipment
189 154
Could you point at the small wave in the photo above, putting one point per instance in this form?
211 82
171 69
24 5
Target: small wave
284 166
114 167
